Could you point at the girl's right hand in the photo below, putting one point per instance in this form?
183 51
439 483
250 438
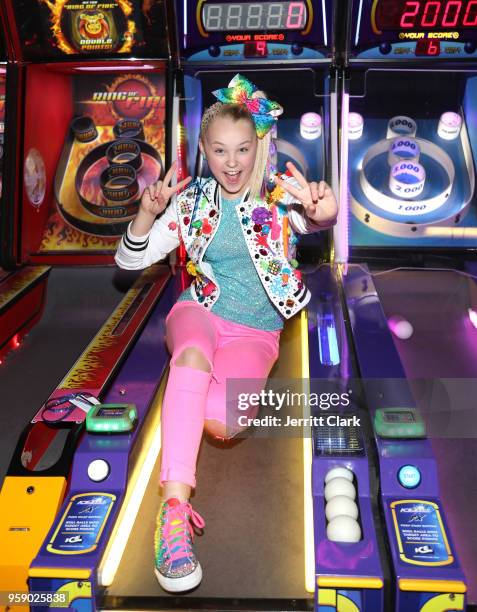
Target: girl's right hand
156 196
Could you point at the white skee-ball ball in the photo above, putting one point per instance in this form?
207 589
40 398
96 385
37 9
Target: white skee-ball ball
400 327
339 472
343 529
341 506
339 486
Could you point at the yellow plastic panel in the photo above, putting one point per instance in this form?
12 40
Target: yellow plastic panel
28 506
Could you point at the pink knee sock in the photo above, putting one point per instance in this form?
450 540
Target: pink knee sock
183 413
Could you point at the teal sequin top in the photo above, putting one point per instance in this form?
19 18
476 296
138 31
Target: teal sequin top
242 297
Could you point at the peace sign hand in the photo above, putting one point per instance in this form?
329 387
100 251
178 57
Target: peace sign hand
317 199
156 196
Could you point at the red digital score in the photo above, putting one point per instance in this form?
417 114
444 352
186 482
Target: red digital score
428 47
255 49
426 14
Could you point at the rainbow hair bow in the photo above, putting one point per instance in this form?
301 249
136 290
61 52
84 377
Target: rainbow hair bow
264 112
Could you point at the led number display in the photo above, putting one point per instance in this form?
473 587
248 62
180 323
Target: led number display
428 46
426 14
249 16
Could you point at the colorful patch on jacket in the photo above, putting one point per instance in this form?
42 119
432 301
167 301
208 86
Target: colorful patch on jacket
267 250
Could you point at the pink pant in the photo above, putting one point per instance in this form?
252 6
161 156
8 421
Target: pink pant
193 396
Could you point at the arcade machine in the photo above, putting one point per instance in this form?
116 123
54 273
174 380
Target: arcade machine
408 154
22 294
98 137
41 471
88 148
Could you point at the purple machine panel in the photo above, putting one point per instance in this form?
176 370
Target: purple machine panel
347 572
77 539
425 564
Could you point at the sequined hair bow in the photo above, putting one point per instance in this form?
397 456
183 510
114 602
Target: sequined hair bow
264 112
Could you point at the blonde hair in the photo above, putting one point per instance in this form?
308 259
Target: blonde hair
237 112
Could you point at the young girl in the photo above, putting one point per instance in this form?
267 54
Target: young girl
238 232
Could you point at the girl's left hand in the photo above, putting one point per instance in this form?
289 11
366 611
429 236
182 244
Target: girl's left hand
317 199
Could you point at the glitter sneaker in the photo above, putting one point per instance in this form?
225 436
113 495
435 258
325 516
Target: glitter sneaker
177 568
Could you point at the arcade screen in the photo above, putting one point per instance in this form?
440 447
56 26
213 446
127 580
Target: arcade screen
412 126
57 28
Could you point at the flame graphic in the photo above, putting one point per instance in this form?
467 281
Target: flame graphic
56 8
135 77
85 371
21 279
60 236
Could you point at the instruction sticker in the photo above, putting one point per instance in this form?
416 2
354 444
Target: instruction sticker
82 524
420 533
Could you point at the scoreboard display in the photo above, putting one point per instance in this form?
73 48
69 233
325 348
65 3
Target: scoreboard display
406 29
218 31
250 16
425 14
